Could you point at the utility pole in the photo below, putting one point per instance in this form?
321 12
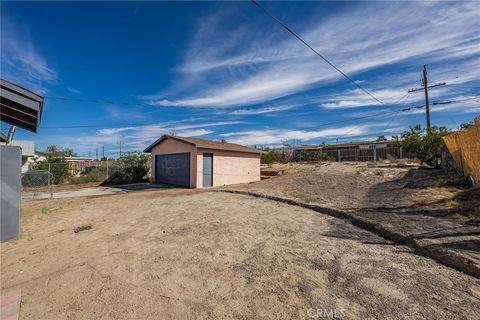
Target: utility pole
120 149
103 152
425 87
96 154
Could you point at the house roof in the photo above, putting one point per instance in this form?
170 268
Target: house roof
338 146
207 144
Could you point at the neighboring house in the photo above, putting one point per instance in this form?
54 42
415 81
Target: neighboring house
77 159
199 163
28 152
352 151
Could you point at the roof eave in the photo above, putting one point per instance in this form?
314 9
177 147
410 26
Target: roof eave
160 140
206 146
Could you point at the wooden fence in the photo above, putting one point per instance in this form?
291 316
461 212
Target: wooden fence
464 146
76 167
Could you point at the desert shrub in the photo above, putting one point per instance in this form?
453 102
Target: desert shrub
58 167
130 168
93 175
426 144
270 157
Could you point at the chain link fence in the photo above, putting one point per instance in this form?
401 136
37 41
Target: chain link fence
45 177
343 154
36 184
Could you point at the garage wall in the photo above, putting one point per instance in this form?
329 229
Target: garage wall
229 167
169 146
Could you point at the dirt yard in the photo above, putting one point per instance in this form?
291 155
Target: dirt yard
365 186
188 254
431 209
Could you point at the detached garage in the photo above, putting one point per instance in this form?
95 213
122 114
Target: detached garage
200 163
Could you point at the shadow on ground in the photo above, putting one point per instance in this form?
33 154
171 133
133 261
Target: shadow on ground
432 209
429 192
141 186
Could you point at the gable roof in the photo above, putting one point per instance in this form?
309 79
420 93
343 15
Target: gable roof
207 144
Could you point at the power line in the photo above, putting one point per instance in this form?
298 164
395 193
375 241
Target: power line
100 126
136 125
425 88
461 90
315 51
462 86
148 124
351 119
454 101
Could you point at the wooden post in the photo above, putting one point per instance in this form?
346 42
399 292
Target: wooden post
425 86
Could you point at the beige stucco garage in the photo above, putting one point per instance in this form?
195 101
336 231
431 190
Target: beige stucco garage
199 163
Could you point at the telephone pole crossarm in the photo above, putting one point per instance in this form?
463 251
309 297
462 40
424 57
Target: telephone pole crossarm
425 88
430 86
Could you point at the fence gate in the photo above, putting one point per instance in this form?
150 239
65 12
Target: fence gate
36 184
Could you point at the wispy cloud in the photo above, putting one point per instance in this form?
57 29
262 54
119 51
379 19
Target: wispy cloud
277 136
21 60
244 112
139 137
73 90
243 67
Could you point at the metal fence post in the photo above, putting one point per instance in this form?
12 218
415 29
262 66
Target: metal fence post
400 153
339 155
48 180
356 155
374 154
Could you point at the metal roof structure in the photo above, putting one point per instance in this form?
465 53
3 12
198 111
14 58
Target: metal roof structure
20 107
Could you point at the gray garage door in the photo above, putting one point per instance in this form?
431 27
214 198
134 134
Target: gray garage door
173 169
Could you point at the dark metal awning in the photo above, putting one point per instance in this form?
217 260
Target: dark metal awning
20 107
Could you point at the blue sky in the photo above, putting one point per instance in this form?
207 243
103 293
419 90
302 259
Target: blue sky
226 70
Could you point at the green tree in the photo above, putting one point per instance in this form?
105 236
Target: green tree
426 144
55 151
130 168
270 157
467 125
57 166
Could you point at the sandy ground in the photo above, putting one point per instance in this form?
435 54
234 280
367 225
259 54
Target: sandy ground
426 205
357 186
188 254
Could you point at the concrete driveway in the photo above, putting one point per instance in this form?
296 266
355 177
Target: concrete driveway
92 191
